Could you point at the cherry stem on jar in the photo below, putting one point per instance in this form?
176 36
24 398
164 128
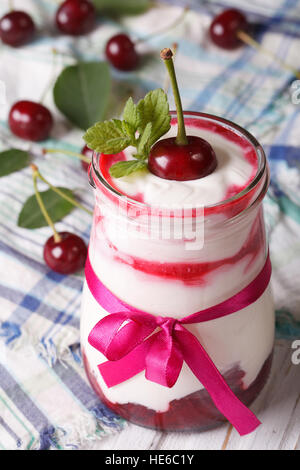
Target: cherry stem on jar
244 37
175 23
167 56
35 176
68 152
167 80
61 194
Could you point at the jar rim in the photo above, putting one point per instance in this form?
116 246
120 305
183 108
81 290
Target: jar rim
261 167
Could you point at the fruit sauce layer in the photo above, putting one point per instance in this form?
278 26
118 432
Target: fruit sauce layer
191 272
194 412
164 276
236 167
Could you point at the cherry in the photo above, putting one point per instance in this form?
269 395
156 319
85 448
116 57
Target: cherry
30 120
182 162
16 28
182 157
88 153
67 255
120 52
76 17
225 27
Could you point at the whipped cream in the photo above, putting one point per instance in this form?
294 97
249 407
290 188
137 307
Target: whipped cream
234 171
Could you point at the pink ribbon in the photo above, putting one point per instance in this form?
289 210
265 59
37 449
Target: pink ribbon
133 341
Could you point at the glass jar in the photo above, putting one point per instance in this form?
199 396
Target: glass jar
166 270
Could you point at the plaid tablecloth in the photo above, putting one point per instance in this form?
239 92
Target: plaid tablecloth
45 399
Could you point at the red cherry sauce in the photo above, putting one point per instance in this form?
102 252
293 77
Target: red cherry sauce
193 412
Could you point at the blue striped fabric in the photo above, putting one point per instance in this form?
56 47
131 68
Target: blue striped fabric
45 399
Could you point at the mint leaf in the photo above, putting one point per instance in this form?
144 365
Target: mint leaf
154 108
125 168
130 131
142 125
143 144
130 114
107 137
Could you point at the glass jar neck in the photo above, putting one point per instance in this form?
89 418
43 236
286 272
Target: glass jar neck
224 210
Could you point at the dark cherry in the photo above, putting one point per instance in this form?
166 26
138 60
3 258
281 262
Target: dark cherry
66 256
76 17
16 28
88 153
120 52
30 120
223 30
171 161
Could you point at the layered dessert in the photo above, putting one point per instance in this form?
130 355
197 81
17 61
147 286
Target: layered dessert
162 276
174 247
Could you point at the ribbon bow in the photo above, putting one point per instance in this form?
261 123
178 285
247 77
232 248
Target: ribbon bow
133 341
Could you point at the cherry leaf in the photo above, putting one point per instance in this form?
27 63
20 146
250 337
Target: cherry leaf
13 160
82 93
31 216
121 7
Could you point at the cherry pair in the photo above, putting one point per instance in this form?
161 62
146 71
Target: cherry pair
27 119
73 17
121 53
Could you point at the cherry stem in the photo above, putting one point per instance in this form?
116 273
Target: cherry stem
61 194
11 5
175 23
64 196
68 152
52 79
35 176
167 56
256 45
167 80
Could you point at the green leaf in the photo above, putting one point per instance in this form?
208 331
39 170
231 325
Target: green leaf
122 7
13 160
142 125
31 216
82 91
107 137
118 124
143 145
126 168
130 114
130 131
154 108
